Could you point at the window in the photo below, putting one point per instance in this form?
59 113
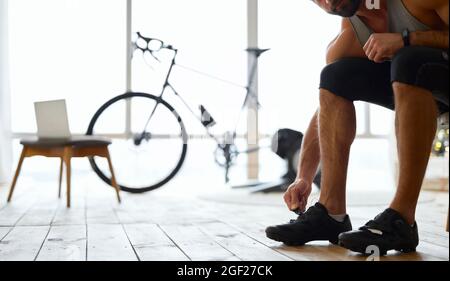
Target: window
298 33
65 49
211 39
290 72
60 49
75 50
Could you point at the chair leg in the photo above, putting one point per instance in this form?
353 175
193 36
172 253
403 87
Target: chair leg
113 177
16 176
67 157
448 217
60 176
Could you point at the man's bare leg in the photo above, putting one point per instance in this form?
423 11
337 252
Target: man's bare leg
310 151
296 196
416 115
337 130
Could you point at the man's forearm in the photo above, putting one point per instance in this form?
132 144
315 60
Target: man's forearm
434 39
310 152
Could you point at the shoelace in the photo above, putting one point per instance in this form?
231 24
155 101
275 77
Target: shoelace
305 216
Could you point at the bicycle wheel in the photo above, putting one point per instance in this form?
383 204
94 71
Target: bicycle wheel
142 162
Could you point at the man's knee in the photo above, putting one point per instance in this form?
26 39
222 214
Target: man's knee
421 67
421 72
331 100
403 91
405 67
409 97
325 96
336 77
402 88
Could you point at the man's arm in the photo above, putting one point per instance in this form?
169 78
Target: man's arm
346 44
382 46
433 38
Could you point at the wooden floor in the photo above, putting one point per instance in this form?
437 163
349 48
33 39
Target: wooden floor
167 226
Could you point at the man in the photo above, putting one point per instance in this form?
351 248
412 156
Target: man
393 53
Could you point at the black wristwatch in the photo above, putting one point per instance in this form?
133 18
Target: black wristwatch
406 38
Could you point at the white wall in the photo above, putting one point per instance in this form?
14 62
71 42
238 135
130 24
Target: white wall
5 120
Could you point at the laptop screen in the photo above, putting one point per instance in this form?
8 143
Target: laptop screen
51 119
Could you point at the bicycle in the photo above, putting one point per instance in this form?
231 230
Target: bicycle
174 133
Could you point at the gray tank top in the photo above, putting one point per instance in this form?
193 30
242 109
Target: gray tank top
399 19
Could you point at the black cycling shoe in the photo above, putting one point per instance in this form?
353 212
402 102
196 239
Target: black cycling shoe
315 224
388 231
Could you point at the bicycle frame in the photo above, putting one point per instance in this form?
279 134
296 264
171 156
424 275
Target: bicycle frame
248 88
227 146
168 85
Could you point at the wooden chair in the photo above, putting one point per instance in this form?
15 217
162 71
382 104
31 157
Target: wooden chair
65 150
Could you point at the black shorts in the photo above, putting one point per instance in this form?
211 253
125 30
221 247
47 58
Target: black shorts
359 79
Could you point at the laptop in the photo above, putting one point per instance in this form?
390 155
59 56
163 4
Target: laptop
51 120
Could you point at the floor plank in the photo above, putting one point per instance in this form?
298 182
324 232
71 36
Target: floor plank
132 215
101 215
64 243
72 216
160 226
42 213
437 239
100 205
108 242
439 252
196 244
4 231
240 244
15 210
4 191
23 243
316 252
152 244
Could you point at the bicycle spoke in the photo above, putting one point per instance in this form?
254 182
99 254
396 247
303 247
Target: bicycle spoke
154 160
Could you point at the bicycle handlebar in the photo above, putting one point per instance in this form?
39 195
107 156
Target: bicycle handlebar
147 44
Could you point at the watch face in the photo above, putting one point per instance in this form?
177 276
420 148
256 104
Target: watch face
405 36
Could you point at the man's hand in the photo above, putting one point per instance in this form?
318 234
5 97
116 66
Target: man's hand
383 46
296 196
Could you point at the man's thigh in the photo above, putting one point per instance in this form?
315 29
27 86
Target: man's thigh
426 68
359 79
